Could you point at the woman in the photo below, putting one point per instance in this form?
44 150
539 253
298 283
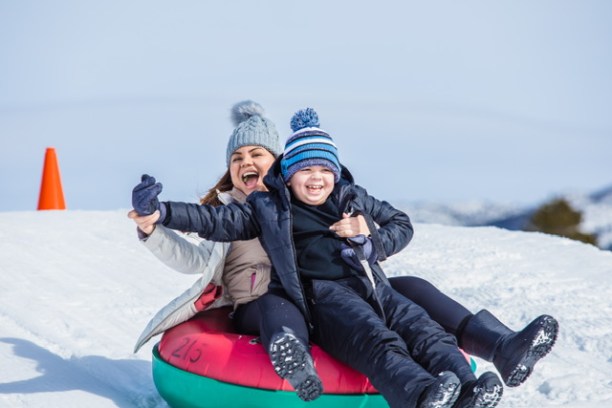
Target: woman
514 354
242 268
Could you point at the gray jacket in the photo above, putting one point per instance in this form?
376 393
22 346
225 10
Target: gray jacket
242 269
186 254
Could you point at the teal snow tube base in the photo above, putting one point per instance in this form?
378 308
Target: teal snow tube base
182 389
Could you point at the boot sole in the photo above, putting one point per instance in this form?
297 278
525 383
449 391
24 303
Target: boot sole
444 393
540 347
486 392
489 394
294 364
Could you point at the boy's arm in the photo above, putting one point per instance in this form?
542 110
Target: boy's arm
394 230
225 223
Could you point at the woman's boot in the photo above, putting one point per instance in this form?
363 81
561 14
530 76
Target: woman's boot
514 354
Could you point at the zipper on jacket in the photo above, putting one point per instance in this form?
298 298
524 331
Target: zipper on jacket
349 209
287 200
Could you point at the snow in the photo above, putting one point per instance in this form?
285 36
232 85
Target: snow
76 289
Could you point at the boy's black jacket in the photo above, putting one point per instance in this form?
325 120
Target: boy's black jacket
267 215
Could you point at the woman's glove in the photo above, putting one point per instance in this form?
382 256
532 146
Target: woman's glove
144 195
349 255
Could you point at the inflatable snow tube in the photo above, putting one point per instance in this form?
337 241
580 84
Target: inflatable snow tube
203 363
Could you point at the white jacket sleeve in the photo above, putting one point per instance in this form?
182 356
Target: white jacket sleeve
185 253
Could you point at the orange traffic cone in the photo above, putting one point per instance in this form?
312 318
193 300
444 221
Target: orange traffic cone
51 193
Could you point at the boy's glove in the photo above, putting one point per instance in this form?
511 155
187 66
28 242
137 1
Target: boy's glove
144 195
350 256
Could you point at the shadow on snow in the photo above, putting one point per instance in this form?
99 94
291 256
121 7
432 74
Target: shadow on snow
127 383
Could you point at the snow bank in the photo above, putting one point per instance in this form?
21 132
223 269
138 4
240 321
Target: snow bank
76 288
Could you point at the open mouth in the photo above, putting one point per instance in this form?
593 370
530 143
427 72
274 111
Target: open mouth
314 188
250 179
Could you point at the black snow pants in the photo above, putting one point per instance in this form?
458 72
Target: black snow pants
449 313
399 352
270 314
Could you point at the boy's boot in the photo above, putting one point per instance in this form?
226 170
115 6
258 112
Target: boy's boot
485 392
292 361
514 354
442 393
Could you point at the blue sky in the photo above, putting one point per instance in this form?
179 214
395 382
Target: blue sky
445 101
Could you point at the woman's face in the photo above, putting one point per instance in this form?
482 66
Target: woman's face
248 166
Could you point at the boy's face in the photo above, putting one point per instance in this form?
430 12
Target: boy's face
312 185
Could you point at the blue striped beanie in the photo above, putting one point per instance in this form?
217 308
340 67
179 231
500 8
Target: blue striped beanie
308 146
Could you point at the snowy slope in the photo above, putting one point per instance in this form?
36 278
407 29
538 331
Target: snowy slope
76 288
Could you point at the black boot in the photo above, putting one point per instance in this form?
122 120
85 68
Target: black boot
292 361
485 392
442 393
514 354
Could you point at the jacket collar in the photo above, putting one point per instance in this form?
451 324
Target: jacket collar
231 196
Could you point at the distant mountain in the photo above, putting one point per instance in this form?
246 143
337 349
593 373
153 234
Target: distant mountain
473 213
596 211
597 214
604 196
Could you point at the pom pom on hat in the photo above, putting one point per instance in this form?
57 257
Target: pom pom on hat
304 118
308 146
252 129
245 110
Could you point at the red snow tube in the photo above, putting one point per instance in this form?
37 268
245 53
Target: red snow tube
207 346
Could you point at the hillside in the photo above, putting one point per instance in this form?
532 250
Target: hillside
76 289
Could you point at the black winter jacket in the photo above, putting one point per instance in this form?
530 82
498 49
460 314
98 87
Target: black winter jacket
267 215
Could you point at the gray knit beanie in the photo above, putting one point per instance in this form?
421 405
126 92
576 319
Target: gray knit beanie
252 129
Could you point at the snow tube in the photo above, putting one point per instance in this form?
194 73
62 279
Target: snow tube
203 363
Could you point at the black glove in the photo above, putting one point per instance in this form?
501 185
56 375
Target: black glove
350 256
144 195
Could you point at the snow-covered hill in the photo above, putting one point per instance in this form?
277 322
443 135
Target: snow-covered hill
76 288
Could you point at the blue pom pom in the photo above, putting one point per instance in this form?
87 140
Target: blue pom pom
304 118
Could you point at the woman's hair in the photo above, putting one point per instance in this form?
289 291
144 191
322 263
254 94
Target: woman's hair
224 184
251 129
